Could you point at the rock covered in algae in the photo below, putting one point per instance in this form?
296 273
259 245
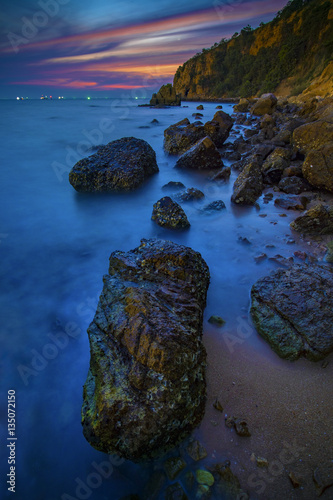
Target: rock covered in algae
121 165
146 388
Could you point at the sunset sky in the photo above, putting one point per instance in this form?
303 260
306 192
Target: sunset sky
106 47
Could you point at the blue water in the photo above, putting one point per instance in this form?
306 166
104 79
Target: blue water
54 250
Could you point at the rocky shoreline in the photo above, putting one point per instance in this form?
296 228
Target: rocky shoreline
284 155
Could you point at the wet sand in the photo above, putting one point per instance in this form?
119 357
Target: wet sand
288 408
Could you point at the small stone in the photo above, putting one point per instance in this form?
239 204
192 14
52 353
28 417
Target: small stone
216 320
200 107
244 240
261 462
214 206
191 194
300 255
294 480
217 405
196 451
204 477
324 363
241 428
173 466
173 185
167 213
259 258
263 216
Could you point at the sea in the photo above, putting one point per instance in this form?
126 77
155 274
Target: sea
54 249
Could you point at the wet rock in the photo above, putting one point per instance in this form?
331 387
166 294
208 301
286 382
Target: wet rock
204 477
200 107
260 258
196 451
197 115
146 389
227 485
219 107
175 492
317 220
242 106
174 185
173 466
293 171
155 121
282 261
265 105
275 164
293 312
166 96
312 135
243 240
216 320
202 156
191 194
250 132
318 167
219 127
121 165
233 156
241 145
222 175
214 206
267 121
292 202
181 136
294 185
167 213
249 184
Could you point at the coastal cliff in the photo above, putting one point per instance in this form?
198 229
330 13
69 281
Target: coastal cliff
290 55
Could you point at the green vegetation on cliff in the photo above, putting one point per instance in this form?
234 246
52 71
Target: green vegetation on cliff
294 49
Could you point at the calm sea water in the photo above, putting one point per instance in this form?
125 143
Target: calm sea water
54 250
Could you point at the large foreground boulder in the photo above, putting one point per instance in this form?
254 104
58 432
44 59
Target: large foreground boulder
318 167
145 389
249 184
181 136
121 165
166 96
219 127
293 310
202 156
316 220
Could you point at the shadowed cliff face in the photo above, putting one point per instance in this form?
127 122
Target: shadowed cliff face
286 55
